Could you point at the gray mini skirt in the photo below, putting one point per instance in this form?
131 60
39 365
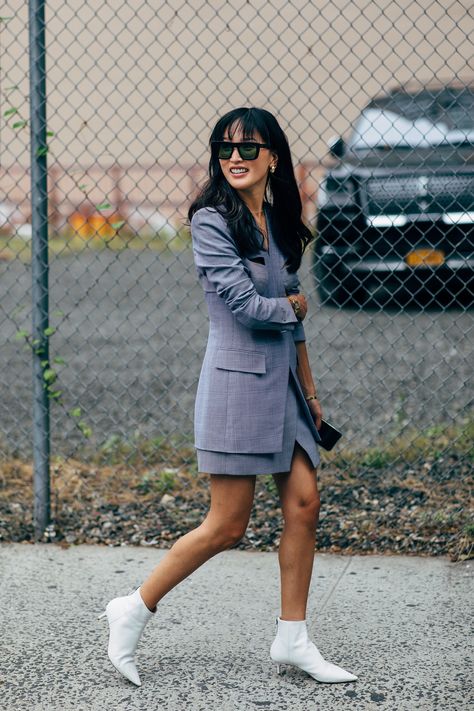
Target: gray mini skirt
295 430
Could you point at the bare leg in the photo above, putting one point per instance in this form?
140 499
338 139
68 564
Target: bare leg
225 524
299 498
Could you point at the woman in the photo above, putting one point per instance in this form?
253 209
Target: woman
257 410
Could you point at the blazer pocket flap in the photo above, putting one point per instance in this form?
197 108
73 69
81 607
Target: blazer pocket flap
245 361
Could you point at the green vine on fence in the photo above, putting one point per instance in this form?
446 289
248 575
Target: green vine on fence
50 375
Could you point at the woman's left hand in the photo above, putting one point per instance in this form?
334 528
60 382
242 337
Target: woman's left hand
316 411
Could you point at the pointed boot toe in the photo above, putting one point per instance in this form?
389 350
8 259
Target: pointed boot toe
128 670
124 664
330 673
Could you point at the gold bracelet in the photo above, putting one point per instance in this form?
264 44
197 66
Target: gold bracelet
296 307
311 397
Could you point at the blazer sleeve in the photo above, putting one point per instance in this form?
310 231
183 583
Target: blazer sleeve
216 254
298 333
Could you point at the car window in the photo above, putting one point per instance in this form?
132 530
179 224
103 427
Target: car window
415 121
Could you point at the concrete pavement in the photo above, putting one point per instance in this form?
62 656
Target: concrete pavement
402 624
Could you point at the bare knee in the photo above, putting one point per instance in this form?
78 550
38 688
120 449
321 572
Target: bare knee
303 512
229 535
224 534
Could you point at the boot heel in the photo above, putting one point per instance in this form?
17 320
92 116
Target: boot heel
279 668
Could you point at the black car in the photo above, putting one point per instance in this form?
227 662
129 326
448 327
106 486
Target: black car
396 213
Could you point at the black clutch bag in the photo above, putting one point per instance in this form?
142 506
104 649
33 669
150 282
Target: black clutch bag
329 435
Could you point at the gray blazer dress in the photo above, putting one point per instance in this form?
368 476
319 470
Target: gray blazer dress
250 409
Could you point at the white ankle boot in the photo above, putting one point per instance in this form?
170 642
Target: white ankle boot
292 646
127 617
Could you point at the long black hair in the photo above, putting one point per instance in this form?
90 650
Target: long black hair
290 233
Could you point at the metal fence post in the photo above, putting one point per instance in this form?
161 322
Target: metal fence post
39 265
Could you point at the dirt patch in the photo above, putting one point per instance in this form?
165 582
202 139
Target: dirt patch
414 509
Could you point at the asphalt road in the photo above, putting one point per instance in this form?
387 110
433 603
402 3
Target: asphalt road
133 333
400 623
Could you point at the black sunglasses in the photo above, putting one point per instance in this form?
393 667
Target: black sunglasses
247 151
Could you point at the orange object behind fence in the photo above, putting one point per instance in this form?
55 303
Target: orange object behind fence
94 225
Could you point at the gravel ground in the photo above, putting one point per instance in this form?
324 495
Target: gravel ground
133 333
422 508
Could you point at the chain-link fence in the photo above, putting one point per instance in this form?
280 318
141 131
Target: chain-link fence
132 93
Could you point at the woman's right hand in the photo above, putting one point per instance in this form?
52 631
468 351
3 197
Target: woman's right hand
301 299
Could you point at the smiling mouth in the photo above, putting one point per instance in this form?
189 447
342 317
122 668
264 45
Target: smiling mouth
238 171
